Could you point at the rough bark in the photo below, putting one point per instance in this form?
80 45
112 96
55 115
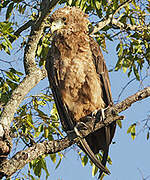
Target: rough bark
33 77
20 159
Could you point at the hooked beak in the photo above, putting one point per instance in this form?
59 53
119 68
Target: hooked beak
56 25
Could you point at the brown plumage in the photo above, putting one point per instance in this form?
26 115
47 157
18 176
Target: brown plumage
78 77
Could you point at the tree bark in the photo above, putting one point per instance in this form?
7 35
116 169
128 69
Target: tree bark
33 75
20 159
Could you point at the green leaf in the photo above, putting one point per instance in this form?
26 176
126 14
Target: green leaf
119 123
54 112
29 120
115 4
133 132
94 170
44 166
50 137
12 76
5 47
7 42
124 68
58 163
16 72
129 73
102 176
42 103
120 49
129 129
37 168
98 4
84 160
11 84
9 10
39 50
46 132
132 20
148 135
70 2
136 72
53 157
109 160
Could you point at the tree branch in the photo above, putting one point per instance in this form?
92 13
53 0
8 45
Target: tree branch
18 161
110 19
120 25
21 29
34 75
35 35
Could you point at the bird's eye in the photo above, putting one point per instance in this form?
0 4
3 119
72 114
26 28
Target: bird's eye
51 20
64 19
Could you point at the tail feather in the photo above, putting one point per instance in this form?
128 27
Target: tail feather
104 160
85 146
92 157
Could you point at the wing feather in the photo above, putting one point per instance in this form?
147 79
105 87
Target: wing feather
66 121
101 69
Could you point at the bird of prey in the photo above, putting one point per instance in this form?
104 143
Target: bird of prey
79 79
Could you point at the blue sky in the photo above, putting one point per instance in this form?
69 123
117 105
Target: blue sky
130 159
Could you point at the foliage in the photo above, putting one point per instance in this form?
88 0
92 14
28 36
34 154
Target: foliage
34 121
131 130
6 30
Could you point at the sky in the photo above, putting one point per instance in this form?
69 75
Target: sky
130 158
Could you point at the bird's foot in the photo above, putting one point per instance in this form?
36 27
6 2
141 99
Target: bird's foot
94 113
80 125
100 115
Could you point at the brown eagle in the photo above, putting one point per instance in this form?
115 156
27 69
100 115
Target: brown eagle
79 78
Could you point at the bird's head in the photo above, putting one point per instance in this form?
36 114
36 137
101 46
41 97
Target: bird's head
69 19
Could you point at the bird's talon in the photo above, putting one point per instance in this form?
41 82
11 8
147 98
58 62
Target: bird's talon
81 125
94 113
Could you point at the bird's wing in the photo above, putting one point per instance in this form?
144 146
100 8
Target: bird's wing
52 71
101 69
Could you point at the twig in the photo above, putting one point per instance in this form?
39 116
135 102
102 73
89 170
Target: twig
21 29
124 88
119 25
122 6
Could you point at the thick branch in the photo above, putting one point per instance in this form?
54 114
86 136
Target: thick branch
34 73
18 95
18 161
35 35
